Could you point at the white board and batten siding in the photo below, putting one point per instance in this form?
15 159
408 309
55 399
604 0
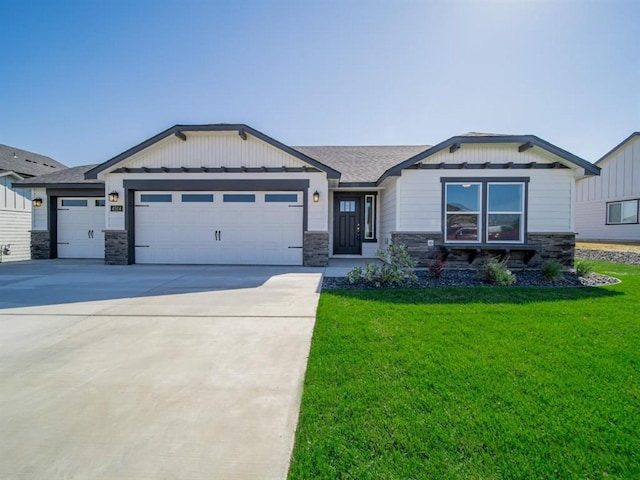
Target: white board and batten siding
551 191
388 210
15 220
619 180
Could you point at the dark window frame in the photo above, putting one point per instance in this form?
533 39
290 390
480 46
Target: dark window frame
484 207
607 222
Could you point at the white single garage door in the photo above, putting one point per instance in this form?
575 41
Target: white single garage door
239 228
80 227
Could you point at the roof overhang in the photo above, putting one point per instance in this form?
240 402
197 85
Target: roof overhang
621 144
180 132
11 173
525 142
90 186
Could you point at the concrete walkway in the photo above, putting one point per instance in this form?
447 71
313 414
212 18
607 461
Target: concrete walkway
151 372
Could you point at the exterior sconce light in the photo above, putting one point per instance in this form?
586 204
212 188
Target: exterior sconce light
316 197
114 196
37 202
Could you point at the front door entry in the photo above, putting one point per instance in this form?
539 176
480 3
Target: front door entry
346 225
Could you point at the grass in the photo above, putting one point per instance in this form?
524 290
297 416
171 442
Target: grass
474 383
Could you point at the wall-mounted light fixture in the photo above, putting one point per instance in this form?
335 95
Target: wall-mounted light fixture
37 202
316 197
114 196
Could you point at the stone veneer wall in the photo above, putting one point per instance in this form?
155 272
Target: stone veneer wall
315 249
116 247
40 244
551 246
417 244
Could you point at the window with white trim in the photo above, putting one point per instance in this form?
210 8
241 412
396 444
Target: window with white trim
505 212
619 213
463 204
485 211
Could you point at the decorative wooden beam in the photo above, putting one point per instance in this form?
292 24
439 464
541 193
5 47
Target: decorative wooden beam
442 165
532 164
463 165
525 146
486 165
509 165
455 147
242 133
181 136
555 165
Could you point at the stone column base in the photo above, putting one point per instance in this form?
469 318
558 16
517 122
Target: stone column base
417 244
315 249
116 247
553 246
40 244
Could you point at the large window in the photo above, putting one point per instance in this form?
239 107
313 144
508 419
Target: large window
622 212
463 203
480 211
505 212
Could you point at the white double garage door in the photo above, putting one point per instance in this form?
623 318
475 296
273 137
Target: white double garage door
242 228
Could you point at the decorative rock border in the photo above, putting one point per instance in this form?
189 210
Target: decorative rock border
631 258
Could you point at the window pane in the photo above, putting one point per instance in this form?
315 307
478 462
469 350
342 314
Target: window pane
347 205
369 216
462 227
74 203
155 197
281 197
505 198
504 227
100 203
615 212
197 197
239 197
630 212
463 197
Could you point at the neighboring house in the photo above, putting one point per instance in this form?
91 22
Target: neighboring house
229 194
15 203
607 206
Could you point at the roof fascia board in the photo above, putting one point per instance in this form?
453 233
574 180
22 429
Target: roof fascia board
621 144
588 167
11 173
93 173
91 186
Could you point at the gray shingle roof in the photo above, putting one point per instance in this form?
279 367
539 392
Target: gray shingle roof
26 163
66 176
362 164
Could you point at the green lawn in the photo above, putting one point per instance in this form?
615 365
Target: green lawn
474 383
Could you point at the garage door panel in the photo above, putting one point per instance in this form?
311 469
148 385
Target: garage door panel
80 227
219 228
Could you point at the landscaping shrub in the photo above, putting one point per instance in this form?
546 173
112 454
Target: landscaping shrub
583 268
397 269
496 273
552 271
436 269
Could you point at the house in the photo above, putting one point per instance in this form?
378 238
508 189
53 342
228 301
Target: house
607 206
15 203
229 194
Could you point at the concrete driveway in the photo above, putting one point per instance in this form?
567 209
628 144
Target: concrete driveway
151 372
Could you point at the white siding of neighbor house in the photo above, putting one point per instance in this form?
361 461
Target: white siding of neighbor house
15 220
551 202
619 180
388 210
212 149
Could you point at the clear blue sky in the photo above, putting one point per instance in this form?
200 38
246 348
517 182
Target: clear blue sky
82 81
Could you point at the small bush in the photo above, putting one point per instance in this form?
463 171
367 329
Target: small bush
436 269
583 268
397 269
496 273
552 271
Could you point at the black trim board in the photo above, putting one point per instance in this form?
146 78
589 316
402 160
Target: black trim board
83 185
515 139
220 127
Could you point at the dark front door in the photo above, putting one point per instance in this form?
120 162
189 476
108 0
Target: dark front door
346 225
